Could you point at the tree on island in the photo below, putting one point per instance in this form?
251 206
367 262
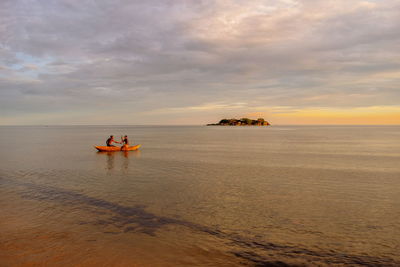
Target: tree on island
242 122
246 121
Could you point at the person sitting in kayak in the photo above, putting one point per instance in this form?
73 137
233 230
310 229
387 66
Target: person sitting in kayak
125 142
111 140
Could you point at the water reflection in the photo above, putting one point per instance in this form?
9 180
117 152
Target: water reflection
110 158
122 156
125 161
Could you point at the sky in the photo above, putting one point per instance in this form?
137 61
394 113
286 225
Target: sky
195 62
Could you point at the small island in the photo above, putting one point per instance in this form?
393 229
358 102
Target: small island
241 122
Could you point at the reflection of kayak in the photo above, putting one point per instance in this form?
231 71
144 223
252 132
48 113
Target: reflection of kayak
117 148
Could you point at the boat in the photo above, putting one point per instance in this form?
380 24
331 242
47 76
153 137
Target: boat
117 148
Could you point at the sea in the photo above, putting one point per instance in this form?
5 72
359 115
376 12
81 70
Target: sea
200 196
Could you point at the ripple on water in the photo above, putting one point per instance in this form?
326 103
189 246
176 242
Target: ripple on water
135 219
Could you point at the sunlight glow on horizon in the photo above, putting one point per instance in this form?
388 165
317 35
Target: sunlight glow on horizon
351 116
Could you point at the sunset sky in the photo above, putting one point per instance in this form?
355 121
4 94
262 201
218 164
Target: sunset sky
196 62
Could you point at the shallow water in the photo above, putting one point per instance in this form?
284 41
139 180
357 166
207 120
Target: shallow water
206 196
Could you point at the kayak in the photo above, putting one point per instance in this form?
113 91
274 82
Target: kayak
117 148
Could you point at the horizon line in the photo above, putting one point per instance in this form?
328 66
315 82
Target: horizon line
111 125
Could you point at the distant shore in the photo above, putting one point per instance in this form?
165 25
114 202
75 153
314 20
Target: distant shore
241 122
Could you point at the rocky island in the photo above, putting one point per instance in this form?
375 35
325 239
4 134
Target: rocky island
241 122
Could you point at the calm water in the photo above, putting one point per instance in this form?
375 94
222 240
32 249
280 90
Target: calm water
205 196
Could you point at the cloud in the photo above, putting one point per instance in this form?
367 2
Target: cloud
147 57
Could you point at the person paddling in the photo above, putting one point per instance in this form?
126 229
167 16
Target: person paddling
125 142
111 140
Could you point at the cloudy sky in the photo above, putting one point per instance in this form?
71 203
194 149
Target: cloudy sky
195 62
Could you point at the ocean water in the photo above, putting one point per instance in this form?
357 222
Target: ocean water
200 196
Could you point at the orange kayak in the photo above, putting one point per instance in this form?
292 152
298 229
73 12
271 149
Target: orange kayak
117 148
